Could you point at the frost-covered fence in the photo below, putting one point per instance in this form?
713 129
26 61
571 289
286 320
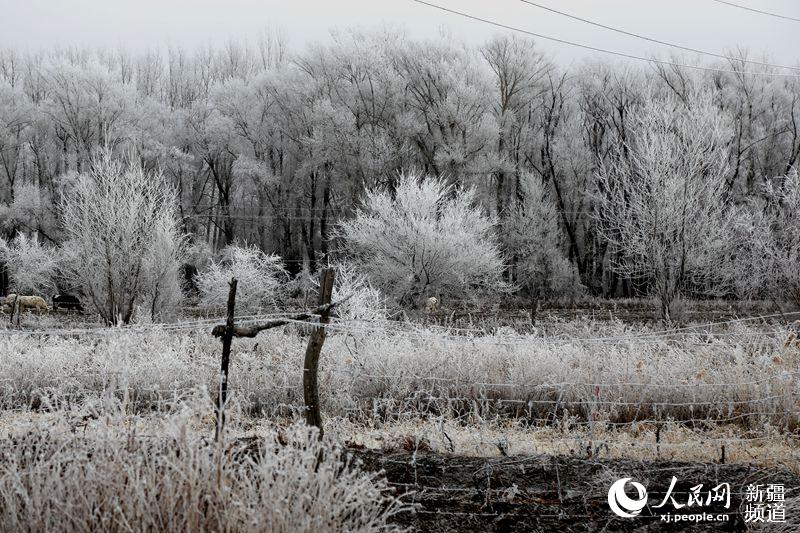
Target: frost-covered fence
312 355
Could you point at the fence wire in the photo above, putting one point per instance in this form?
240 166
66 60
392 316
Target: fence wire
470 401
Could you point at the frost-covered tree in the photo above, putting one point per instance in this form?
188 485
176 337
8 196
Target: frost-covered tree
427 239
521 74
15 116
115 218
32 265
532 233
32 210
275 152
662 204
259 277
88 105
447 109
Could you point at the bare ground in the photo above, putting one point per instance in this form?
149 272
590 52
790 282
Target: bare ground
554 493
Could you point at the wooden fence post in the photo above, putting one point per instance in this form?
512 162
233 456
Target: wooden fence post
227 338
313 350
15 310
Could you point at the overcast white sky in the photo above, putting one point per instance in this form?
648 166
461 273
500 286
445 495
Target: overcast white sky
140 24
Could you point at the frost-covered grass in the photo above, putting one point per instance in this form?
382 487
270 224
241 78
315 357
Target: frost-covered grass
385 371
113 478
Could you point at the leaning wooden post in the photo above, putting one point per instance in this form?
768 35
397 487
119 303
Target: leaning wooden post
311 366
227 338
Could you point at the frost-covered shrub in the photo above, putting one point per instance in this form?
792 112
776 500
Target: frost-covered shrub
426 239
109 478
31 264
259 278
199 254
162 270
115 218
748 269
361 301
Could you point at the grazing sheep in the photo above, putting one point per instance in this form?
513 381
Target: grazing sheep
25 302
8 301
431 305
33 302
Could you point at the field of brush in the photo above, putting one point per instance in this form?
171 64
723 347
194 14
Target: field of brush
90 411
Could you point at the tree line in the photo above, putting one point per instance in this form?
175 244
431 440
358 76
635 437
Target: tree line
606 178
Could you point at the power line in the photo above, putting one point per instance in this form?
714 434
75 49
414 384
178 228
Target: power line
602 50
657 41
754 10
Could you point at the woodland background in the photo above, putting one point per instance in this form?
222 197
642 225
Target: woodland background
273 148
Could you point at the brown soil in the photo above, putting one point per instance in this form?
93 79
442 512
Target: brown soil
547 493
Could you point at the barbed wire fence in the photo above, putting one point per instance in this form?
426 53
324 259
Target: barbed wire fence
583 416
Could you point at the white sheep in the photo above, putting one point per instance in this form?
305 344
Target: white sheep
33 302
431 305
25 302
8 301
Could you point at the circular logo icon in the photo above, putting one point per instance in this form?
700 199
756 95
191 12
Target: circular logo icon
621 504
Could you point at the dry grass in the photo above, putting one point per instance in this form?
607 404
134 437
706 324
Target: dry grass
744 375
564 393
110 477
